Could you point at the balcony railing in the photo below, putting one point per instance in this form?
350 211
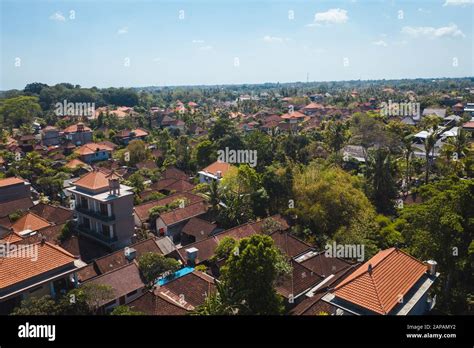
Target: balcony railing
97 235
95 214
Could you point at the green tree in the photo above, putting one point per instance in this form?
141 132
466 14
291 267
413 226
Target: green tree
205 153
86 299
250 274
153 265
380 174
331 204
37 306
18 111
124 310
441 228
137 150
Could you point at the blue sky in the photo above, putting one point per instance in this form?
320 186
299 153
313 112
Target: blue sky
43 41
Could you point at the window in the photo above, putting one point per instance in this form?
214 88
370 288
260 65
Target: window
106 230
103 209
84 203
87 223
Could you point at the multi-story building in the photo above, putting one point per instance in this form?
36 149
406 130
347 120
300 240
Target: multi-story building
15 195
104 208
78 134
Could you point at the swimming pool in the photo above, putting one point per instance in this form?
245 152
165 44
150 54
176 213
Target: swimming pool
177 274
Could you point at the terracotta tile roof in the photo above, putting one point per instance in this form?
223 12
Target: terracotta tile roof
142 210
314 105
17 269
93 180
206 249
91 148
118 259
74 128
180 186
313 306
11 238
174 173
108 143
289 244
301 280
469 124
30 221
180 214
146 164
192 289
87 273
11 181
22 204
293 115
208 246
325 266
213 168
50 234
127 133
55 214
392 275
198 228
74 163
116 278
84 247
155 303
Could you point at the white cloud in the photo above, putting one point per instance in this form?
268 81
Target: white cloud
198 41
380 43
431 32
122 31
458 2
156 59
274 39
57 16
332 16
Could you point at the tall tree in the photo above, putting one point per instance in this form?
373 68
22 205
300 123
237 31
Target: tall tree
250 274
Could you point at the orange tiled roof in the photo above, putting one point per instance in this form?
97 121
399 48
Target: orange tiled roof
292 115
10 181
11 238
393 274
90 148
17 269
93 180
213 168
74 128
30 221
75 163
314 105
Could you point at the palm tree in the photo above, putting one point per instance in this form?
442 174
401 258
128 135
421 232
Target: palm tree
430 143
407 144
460 143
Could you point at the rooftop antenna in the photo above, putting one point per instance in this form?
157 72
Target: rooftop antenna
307 77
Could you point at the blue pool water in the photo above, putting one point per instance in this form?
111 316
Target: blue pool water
177 274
